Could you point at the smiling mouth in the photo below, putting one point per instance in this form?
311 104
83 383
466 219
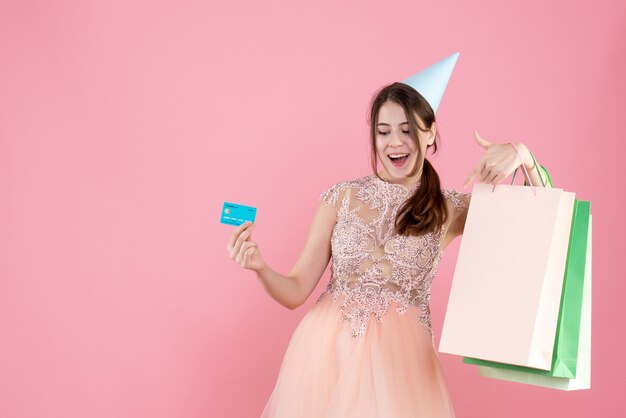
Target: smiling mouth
399 159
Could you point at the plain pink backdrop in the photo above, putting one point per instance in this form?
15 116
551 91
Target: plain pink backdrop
124 126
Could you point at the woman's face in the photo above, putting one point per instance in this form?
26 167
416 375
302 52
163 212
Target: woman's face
393 139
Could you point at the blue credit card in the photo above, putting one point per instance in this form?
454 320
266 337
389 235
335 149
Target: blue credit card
234 214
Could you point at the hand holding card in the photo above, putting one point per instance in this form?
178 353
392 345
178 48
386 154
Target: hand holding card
243 250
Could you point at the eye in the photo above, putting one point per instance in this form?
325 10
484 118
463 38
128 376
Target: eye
387 133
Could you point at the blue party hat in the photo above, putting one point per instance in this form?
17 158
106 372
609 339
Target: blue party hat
431 82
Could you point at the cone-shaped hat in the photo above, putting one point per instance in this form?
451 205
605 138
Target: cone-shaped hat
431 82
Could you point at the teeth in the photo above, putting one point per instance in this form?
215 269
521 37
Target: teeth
397 155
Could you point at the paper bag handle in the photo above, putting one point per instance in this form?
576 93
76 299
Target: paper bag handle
526 171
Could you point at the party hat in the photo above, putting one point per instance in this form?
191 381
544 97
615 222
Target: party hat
431 82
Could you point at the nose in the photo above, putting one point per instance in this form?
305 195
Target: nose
395 138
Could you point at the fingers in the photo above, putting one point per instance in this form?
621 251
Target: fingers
490 168
242 232
469 177
497 180
241 249
477 169
485 174
244 236
247 254
245 251
489 178
235 234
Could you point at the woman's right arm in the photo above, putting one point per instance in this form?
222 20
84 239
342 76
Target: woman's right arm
293 289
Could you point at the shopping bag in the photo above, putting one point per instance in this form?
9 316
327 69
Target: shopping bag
583 369
506 290
564 359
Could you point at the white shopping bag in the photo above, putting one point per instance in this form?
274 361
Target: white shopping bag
583 370
506 290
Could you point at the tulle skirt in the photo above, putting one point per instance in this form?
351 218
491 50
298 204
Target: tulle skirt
391 372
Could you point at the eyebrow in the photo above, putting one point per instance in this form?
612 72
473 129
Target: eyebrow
386 124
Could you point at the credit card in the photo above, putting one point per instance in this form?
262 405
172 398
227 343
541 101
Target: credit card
234 214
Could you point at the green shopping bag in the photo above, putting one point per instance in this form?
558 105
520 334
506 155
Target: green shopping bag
564 358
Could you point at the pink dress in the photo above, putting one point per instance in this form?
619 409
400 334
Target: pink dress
366 348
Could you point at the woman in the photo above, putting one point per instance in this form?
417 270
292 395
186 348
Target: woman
366 348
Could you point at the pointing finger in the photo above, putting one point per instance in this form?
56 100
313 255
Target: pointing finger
472 174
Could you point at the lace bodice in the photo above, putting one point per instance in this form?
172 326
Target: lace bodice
371 264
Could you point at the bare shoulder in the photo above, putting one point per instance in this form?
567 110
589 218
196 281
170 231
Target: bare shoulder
334 194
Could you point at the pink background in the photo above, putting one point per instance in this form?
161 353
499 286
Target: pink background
125 125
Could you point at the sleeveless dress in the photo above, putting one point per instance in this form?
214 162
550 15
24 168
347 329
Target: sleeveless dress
366 349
